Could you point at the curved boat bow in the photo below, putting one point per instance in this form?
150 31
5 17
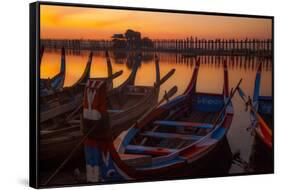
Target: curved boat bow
166 140
55 84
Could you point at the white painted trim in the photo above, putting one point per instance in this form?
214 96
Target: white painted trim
91 114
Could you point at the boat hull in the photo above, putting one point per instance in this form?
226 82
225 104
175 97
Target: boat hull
261 159
213 163
194 165
54 152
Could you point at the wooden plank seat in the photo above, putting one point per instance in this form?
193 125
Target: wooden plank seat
171 135
183 124
136 159
154 151
137 90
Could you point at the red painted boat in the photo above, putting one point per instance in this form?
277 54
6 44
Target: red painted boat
172 138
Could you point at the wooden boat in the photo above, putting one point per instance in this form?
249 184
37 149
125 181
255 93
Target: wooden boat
261 112
53 106
59 114
173 137
125 104
55 84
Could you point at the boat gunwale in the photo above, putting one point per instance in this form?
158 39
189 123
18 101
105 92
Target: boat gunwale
255 119
61 72
206 137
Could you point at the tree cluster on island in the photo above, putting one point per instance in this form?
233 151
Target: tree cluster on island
131 40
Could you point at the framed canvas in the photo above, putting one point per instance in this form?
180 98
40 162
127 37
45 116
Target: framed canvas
121 94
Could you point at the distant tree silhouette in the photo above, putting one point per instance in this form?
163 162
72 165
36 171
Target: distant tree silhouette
133 39
119 41
130 40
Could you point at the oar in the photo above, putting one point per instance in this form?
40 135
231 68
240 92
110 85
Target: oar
165 78
112 77
115 75
166 96
228 101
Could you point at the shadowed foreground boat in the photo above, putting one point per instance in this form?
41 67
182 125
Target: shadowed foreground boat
59 113
174 137
220 159
125 104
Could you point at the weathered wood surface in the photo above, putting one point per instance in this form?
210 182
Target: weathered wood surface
60 109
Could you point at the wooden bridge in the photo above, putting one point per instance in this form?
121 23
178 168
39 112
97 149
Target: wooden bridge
188 47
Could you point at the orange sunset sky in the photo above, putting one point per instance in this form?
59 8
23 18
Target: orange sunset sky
62 22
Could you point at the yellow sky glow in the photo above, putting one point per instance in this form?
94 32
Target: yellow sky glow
62 22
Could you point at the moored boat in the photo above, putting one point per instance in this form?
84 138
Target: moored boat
261 112
125 104
63 101
172 137
60 113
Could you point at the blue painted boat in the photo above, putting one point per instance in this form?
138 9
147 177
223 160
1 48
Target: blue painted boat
262 117
176 135
261 112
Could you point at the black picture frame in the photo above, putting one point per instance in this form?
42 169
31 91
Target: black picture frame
34 106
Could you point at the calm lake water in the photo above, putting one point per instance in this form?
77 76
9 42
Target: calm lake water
210 79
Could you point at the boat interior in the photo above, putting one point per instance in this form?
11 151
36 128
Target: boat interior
128 97
179 129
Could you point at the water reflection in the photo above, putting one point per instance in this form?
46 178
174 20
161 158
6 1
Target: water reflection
210 79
